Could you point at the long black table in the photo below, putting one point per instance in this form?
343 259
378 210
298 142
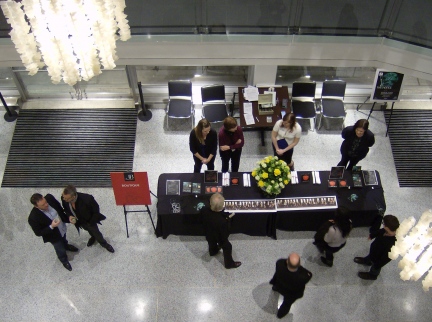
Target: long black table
179 214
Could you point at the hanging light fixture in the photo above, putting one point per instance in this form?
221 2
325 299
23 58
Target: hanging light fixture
414 245
73 38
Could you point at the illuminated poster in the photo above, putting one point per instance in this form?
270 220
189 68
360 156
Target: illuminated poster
387 86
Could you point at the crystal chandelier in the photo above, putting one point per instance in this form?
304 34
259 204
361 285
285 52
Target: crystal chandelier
413 243
73 38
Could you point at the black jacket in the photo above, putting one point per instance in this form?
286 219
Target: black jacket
380 247
86 209
367 140
289 283
40 223
210 143
216 225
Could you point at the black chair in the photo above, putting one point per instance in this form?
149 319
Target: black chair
303 101
180 103
214 103
332 96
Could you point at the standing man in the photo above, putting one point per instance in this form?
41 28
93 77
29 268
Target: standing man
231 141
47 219
290 280
385 238
83 210
216 227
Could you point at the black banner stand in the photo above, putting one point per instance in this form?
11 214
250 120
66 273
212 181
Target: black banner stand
10 116
128 211
143 115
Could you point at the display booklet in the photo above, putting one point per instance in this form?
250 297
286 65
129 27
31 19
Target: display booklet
357 180
187 186
258 205
173 187
210 176
337 172
370 178
306 203
196 187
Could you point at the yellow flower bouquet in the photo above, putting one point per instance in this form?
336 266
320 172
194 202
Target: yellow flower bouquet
272 175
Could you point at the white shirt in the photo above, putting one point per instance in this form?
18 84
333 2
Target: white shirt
285 133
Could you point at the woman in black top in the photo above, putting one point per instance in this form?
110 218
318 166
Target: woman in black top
355 147
203 145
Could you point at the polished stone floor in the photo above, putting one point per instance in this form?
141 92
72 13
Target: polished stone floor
151 279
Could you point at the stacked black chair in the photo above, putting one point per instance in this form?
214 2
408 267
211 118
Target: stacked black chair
303 101
214 103
332 97
180 103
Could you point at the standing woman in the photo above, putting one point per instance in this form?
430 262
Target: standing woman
285 136
231 141
203 145
355 147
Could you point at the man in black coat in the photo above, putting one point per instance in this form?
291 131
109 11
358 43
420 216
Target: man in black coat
290 280
216 227
47 219
357 141
385 239
83 211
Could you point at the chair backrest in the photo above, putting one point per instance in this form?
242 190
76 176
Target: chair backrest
334 88
180 88
213 93
303 89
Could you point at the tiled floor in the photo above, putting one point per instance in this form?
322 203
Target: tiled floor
151 279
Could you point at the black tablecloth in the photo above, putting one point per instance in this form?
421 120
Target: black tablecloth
179 215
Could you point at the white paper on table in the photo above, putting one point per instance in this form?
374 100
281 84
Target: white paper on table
247 108
318 179
251 93
249 119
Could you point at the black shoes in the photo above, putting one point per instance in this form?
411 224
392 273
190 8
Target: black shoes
91 241
366 276
326 261
68 266
361 260
71 248
109 248
235 265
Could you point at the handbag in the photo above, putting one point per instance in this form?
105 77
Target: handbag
282 144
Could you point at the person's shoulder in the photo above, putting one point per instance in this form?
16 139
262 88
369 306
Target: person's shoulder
298 127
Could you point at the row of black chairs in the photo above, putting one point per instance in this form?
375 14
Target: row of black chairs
215 110
180 103
332 106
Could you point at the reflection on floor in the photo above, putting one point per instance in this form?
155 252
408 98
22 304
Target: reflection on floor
150 279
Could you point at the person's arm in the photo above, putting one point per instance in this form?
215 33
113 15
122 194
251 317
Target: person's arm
212 144
40 229
223 140
371 139
345 131
193 143
239 139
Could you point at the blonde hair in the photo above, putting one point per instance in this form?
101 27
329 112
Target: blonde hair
202 124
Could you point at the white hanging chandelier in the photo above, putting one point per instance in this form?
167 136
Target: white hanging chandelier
414 244
73 38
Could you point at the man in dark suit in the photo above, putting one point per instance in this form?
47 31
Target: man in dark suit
216 227
290 280
47 219
83 211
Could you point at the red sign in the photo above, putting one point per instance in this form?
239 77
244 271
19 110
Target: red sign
131 188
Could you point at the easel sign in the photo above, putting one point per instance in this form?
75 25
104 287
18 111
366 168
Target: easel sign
131 189
387 86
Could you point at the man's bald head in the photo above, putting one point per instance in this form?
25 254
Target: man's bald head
293 261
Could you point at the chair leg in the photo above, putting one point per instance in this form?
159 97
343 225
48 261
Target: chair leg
319 122
312 124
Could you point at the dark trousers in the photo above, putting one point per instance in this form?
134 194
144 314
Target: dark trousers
198 164
287 156
287 302
352 161
226 246
60 249
93 230
374 270
234 156
329 251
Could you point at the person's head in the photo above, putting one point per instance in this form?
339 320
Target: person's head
39 201
289 120
230 124
202 129
217 202
293 261
69 193
342 221
360 127
390 223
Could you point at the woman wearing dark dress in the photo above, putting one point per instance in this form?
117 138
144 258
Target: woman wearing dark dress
357 141
203 145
